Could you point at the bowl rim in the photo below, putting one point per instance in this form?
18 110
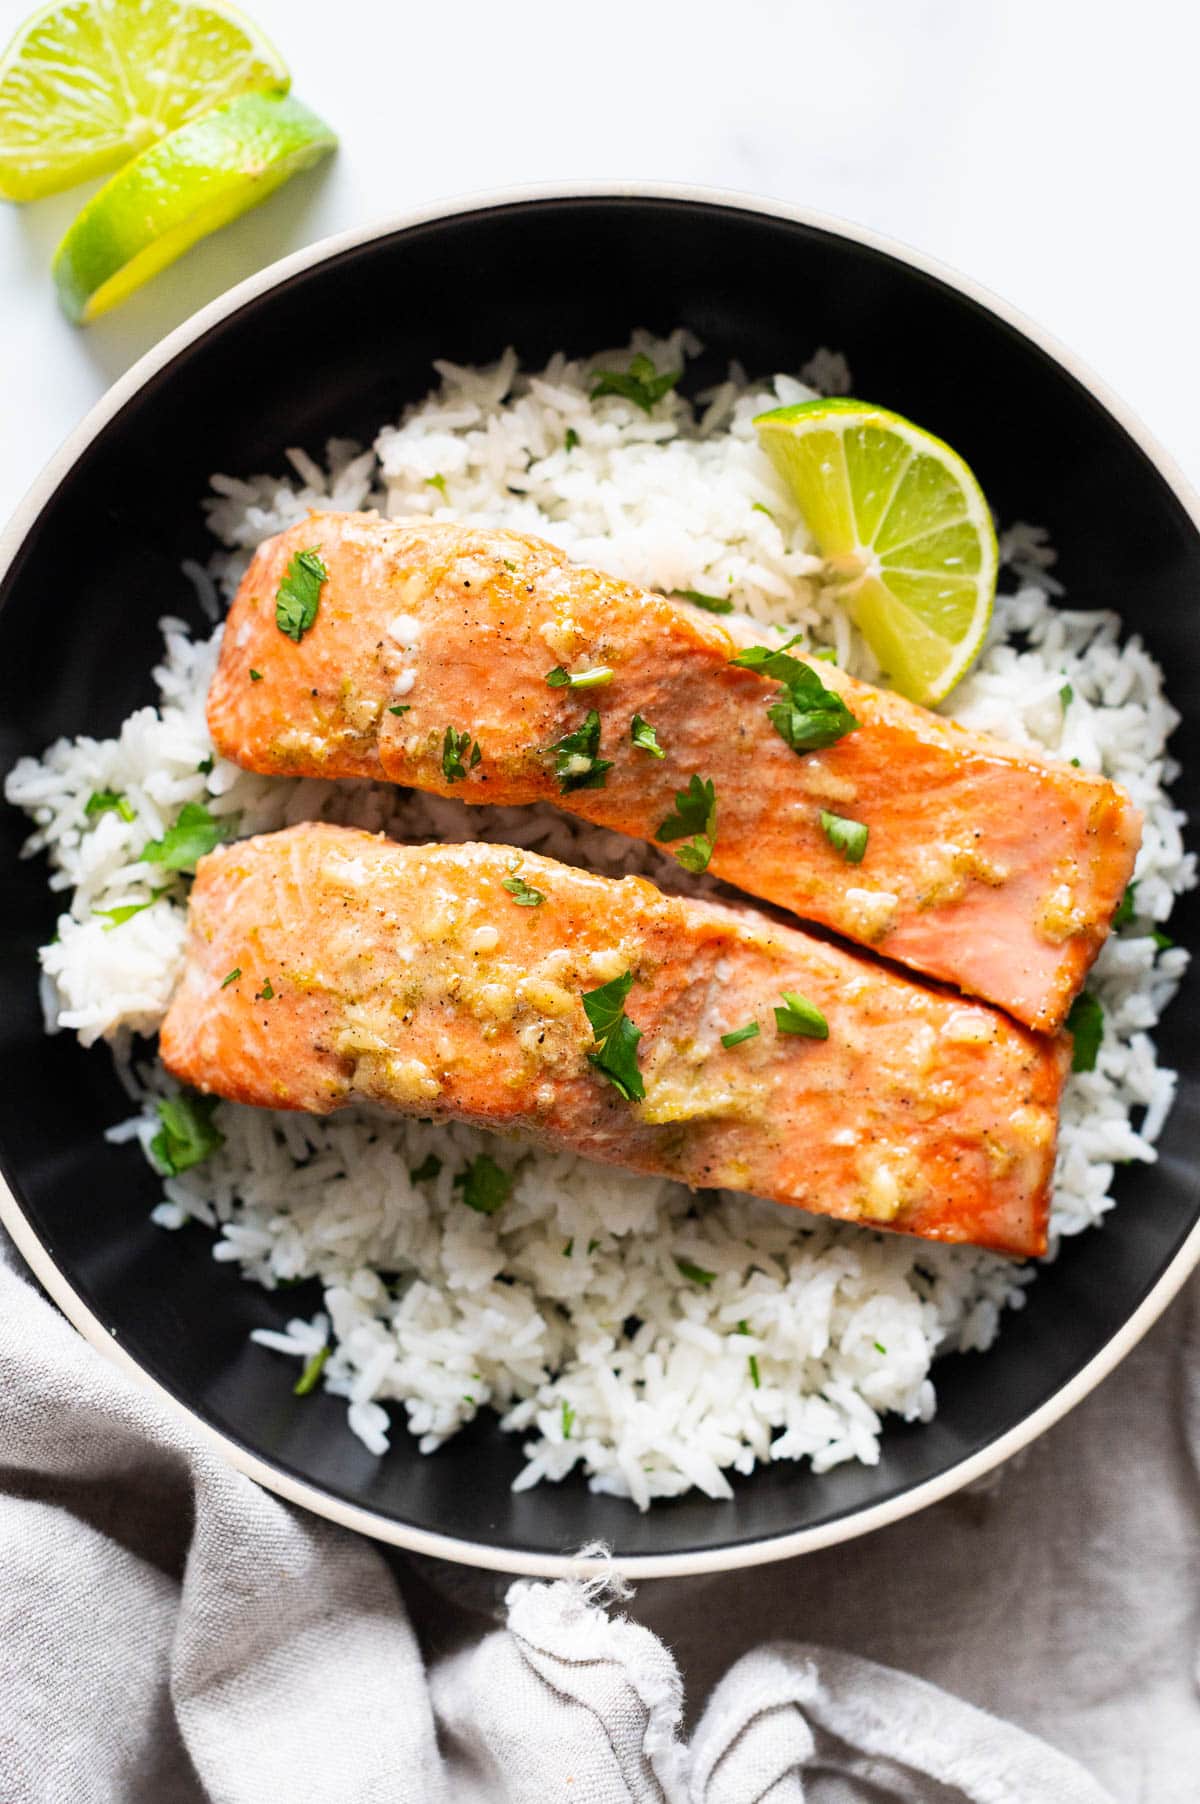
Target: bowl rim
311 1496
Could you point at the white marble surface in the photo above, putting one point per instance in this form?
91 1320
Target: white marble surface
1044 146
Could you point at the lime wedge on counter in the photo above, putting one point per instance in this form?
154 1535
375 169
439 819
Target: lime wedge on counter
86 84
189 183
904 528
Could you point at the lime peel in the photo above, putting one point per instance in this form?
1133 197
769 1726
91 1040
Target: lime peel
904 529
86 84
183 187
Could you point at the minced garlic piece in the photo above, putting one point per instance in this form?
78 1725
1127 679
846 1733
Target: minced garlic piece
548 997
1060 917
345 870
944 872
405 629
1032 1125
396 1079
472 573
564 637
608 964
687 1098
492 1002
968 1027
870 913
818 780
880 1199
361 712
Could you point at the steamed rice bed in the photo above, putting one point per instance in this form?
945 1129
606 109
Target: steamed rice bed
656 1339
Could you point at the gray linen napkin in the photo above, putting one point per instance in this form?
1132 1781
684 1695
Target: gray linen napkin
169 1633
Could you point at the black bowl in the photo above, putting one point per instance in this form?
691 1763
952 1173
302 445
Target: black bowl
333 342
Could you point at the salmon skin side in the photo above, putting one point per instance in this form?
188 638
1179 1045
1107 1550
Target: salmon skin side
327 967
988 866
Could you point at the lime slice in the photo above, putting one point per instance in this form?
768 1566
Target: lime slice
86 84
904 528
183 187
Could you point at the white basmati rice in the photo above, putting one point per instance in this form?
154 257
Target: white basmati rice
567 1312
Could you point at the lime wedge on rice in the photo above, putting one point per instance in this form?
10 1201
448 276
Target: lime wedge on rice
185 186
86 84
905 531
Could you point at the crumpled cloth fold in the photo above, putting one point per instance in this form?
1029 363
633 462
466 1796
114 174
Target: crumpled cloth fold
170 1633
569 1701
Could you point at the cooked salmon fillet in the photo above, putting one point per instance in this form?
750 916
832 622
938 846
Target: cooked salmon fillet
988 866
327 967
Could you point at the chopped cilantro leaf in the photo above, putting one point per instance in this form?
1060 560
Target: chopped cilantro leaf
437 482
616 1037
695 814
186 1134
256 676
569 1247
617 1060
712 604
117 917
1162 941
1086 1023
266 994
571 440
299 594
773 661
808 715
592 1245
641 383
195 833
101 801
695 1274
879 1347
310 1376
798 1016
401 708
743 1326
205 766
1076 763
605 1006
749 1032
485 1186
232 978
845 836
568 1420
754 1377
454 749
576 763
758 508
428 1169
558 678
1066 696
1125 906
644 737
522 893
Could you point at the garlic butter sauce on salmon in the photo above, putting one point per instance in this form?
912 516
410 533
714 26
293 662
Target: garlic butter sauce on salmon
494 1099
481 663
328 967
